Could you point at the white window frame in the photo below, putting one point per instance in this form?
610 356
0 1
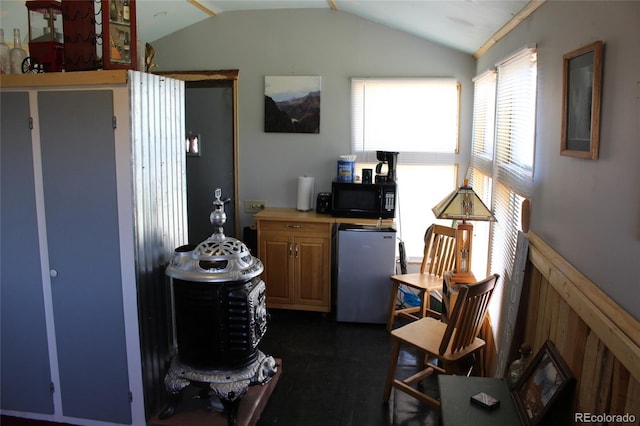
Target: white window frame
414 205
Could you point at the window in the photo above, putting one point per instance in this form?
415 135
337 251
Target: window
419 118
502 154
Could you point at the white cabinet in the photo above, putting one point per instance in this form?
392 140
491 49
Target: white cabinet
93 201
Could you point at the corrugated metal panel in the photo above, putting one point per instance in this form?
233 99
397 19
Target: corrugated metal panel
159 188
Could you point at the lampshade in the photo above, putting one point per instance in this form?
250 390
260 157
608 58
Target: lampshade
463 204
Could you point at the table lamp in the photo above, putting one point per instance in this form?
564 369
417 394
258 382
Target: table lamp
463 204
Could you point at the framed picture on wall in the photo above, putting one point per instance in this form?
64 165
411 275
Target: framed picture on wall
581 93
292 104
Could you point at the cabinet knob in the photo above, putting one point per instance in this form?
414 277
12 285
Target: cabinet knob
53 273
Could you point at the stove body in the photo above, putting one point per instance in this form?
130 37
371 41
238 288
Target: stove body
220 316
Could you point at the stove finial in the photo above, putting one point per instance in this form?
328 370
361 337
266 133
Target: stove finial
218 217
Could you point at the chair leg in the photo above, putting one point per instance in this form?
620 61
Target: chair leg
426 303
391 373
392 305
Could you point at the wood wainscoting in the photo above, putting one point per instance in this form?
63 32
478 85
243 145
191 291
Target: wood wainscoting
598 339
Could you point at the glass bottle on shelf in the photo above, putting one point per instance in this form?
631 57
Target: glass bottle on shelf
5 61
125 10
517 367
126 47
17 55
113 11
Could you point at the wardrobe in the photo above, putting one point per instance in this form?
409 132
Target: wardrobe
93 203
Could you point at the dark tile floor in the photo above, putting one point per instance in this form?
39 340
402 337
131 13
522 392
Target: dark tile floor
334 373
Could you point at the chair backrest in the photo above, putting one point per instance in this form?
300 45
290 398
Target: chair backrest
439 250
468 314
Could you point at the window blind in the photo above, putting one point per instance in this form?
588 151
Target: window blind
418 117
484 104
513 168
515 121
502 156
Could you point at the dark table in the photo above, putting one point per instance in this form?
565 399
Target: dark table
457 409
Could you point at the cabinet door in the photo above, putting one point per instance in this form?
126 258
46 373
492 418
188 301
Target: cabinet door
25 374
79 177
312 271
276 249
119 47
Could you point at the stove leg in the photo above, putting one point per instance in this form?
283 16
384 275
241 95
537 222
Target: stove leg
231 409
172 405
174 385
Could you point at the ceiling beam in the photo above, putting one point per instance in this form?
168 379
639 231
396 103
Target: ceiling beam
203 8
527 10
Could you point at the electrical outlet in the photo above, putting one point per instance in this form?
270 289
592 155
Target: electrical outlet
254 206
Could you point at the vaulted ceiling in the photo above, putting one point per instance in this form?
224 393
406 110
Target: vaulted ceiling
470 26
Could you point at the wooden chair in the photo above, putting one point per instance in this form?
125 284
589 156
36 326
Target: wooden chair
452 344
439 256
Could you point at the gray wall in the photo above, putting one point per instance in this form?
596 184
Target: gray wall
589 211
333 45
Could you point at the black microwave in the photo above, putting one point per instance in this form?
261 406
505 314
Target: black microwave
366 200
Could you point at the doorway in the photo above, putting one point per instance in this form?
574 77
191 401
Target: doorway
211 125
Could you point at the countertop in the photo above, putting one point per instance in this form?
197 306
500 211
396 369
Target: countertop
289 214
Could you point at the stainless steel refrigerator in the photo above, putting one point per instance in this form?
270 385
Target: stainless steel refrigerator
366 257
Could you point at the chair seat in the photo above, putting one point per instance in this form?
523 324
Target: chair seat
420 281
426 335
438 257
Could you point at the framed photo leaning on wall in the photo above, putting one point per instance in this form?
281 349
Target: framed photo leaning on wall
543 393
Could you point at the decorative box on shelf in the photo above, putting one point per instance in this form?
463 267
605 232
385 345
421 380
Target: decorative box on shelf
119 38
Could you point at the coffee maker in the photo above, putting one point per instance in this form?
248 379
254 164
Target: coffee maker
389 159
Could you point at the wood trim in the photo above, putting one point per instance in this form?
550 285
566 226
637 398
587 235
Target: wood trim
529 8
76 78
617 329
201 75
236 155
202 7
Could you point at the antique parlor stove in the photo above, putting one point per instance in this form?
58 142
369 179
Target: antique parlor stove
220 316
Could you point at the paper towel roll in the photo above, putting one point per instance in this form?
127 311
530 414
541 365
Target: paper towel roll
305 193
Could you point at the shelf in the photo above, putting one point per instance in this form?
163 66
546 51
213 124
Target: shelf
64 78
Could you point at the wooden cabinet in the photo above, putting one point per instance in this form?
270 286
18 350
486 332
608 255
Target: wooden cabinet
297 260
295 248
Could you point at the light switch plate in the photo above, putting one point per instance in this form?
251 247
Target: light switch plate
254 206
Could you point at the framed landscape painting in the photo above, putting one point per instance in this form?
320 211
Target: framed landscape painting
292 104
